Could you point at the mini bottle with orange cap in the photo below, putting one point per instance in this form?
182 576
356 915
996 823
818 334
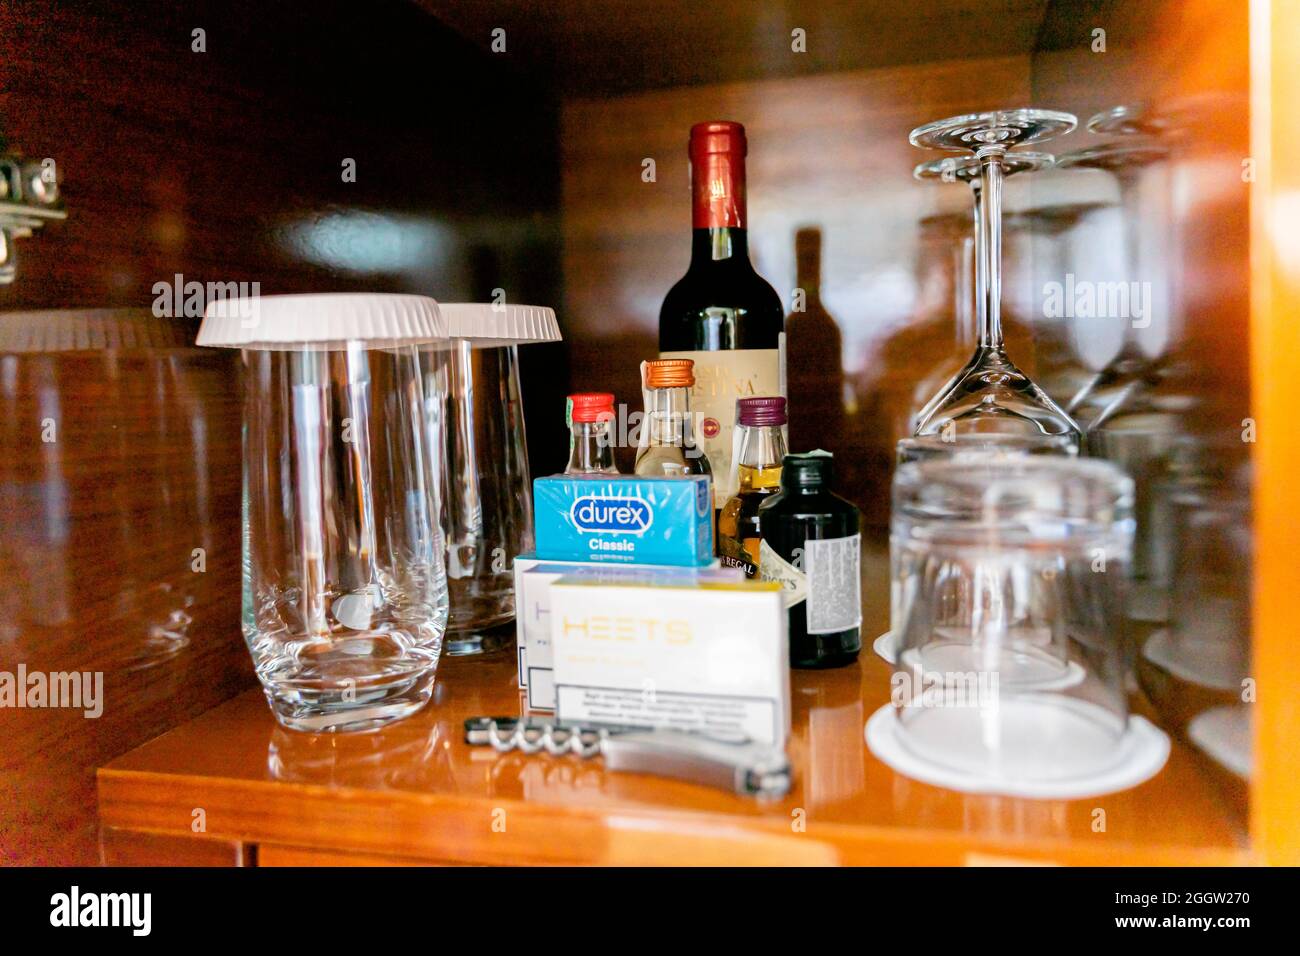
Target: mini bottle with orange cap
668 447
591 446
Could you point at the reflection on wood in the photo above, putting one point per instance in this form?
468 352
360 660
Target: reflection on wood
220 164
119 483
416 789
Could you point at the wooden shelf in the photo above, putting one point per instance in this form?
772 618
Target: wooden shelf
416 792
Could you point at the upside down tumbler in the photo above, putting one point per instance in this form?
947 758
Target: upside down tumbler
344 584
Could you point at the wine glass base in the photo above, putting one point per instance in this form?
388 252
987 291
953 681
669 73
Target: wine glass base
1114 157
966 169
1005 128
992 396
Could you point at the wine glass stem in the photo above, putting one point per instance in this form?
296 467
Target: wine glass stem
1129 208
988 257
974 331
964 272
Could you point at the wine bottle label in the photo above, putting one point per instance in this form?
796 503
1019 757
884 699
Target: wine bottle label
772 567
833 567
721 377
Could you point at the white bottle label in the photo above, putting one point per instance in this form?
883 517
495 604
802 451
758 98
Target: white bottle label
833 568
721 377
773 567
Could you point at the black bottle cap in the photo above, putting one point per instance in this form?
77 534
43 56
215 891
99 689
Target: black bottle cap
813 469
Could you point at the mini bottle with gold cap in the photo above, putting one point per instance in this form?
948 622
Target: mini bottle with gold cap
668 447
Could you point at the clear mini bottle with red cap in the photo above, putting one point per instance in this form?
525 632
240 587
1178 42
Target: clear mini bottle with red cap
591 445
760 422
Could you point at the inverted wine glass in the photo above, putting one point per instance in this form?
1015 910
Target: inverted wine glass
967 306
1120 384
1058 368
991 394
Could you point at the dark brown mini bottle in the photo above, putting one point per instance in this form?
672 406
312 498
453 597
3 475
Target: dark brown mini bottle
812 546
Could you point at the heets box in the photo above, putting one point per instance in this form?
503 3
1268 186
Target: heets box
706 657
533 579
617 520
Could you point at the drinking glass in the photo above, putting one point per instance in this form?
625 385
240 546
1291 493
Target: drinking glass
977 446
344 589
475 417
1206 504
990 394
974 447
1125 407
1011 658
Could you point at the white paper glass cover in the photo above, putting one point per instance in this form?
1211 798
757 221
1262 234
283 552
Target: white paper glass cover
488 325
324 321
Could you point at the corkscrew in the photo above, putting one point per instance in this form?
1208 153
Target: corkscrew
737 764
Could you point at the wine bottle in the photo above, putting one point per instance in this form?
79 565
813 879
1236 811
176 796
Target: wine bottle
722 314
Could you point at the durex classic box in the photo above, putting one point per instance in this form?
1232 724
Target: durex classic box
665 521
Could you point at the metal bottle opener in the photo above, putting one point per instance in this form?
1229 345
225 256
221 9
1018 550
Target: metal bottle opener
739 764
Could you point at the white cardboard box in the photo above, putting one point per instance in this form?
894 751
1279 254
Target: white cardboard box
533 579
711 657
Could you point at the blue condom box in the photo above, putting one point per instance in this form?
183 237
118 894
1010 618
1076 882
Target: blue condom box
664 521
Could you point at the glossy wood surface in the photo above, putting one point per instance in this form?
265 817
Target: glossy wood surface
416 790
119 552
223 165
598 47
142 848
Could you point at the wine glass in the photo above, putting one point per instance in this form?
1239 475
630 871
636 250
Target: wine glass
1131 408
990 394
968 307
1131 372
1058 368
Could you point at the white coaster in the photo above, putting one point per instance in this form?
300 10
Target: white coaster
1143 750
1213 665
1224 734
885 649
